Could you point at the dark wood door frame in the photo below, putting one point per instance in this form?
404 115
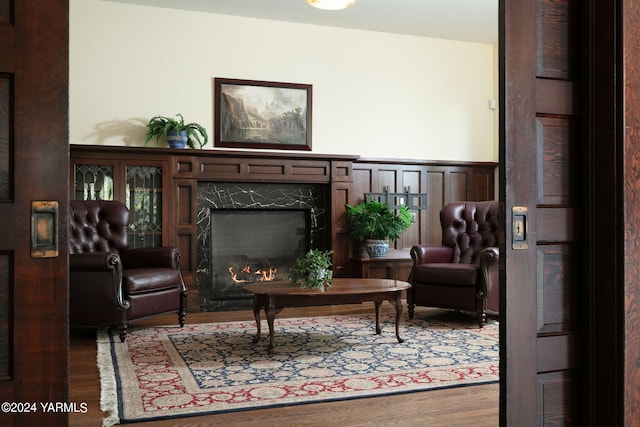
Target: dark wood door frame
604 278
612 214
609 347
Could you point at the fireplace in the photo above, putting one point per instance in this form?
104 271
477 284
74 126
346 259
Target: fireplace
253 232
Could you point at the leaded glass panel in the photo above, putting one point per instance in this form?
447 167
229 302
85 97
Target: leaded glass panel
144 200
94 182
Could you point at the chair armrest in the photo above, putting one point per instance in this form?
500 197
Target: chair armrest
163 257
489 256
424 254
489 259
97 262
93 261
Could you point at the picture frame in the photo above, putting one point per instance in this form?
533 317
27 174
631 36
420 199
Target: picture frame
261 114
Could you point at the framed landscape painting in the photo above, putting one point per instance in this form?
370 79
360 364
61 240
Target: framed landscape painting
258 114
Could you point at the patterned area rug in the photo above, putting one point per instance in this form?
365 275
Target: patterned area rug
172 372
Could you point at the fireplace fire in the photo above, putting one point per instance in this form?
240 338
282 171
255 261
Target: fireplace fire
247 276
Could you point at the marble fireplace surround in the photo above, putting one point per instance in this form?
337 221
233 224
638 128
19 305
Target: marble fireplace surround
251 195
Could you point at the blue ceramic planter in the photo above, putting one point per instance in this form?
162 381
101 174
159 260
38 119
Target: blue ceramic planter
177 139
377 248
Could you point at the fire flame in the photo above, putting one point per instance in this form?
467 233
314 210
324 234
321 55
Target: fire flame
262 275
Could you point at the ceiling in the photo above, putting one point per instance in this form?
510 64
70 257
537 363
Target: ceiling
465 20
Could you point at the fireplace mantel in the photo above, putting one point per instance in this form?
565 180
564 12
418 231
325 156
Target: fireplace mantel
346 178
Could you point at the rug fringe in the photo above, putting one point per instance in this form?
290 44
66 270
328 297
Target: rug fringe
108 393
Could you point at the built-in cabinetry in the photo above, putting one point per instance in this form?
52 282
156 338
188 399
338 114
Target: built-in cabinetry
161 187
137 181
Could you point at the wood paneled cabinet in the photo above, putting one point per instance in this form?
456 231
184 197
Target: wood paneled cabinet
396 265
138 183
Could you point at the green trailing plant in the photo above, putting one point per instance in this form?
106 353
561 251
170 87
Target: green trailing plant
160 125
313 270
374 220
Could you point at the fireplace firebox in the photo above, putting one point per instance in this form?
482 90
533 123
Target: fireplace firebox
253 232
255 245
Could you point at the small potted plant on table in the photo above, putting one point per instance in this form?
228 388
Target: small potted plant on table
178 132
313 270
374 223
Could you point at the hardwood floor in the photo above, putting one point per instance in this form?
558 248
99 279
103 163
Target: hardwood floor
462 406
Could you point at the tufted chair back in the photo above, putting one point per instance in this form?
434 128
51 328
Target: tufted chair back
468 228
98 226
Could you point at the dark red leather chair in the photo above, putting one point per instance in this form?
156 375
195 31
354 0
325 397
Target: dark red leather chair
462 273
110 284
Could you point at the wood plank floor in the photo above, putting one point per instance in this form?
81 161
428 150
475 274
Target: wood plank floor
476 406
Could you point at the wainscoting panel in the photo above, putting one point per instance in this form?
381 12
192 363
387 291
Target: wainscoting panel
340 239
436 191
363 182
459 181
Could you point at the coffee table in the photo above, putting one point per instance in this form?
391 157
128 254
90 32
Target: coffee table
274 296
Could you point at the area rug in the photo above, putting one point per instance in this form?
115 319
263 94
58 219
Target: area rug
200 369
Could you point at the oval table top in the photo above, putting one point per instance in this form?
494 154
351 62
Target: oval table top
339 286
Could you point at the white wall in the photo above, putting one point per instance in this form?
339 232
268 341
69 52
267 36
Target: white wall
374 94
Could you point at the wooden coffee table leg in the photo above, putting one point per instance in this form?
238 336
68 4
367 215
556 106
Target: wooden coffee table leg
378 328
270 312
256 314
397 303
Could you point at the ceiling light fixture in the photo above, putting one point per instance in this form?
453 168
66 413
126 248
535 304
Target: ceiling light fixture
331 4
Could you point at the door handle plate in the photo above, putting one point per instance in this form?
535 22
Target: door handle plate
519 227
44 229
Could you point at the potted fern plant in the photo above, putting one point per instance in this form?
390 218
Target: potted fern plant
313 270
178 132
375 224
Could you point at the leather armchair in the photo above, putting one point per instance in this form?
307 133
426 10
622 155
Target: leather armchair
110 284
462 273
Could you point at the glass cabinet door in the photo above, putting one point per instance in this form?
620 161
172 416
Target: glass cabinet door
144 200
93 182
137 185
